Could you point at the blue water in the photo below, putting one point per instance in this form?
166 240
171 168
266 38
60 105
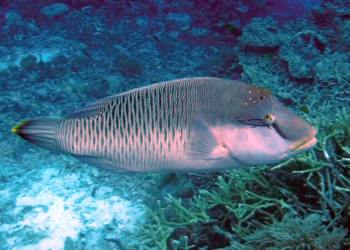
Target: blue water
59 55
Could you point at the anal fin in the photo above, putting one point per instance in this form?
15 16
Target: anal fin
97 161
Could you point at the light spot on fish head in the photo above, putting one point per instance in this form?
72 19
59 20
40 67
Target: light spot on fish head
254 103
253 98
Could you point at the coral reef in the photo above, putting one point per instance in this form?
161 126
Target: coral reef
305 46
17 28
308 232
262 33
302 51
334 67
55 10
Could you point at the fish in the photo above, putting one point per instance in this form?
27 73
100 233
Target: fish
198 124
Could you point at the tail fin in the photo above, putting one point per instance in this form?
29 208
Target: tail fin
42 132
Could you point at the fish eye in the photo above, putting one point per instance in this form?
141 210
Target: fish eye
269 119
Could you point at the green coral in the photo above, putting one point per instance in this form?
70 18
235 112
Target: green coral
295 233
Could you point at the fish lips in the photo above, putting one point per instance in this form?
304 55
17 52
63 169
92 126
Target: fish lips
304 144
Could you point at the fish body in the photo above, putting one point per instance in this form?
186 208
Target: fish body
191 124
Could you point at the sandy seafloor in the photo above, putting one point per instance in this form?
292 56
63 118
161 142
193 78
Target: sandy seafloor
55 58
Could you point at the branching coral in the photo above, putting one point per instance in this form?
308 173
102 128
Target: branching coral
157 232
296 233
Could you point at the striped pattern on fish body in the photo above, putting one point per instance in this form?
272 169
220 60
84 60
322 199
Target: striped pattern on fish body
143 129
192 124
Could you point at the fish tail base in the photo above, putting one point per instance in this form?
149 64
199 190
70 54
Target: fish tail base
42 132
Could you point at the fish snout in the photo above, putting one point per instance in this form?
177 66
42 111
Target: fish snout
304 143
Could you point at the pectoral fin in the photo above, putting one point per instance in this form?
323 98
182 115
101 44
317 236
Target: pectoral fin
203 144
221 151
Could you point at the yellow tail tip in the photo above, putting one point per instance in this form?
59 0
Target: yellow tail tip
17 127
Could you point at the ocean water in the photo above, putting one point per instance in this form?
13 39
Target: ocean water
57 56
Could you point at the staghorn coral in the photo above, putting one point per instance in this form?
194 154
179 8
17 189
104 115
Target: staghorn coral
295 233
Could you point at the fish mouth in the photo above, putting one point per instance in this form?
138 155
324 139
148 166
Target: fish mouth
304 144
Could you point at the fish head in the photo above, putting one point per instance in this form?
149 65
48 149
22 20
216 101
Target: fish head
265 131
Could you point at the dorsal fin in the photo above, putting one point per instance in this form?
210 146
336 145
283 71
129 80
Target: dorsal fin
93 108
98 106
86 111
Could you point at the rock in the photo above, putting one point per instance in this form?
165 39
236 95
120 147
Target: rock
55 10
221 214
99 89
17 27
13 18
182 20
42 93
103 192
95 240
28 63
49 174
69 244
199 32
225 62
78 62
129 66
201 235
4 79
142 21
45 49
95 173
57 66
